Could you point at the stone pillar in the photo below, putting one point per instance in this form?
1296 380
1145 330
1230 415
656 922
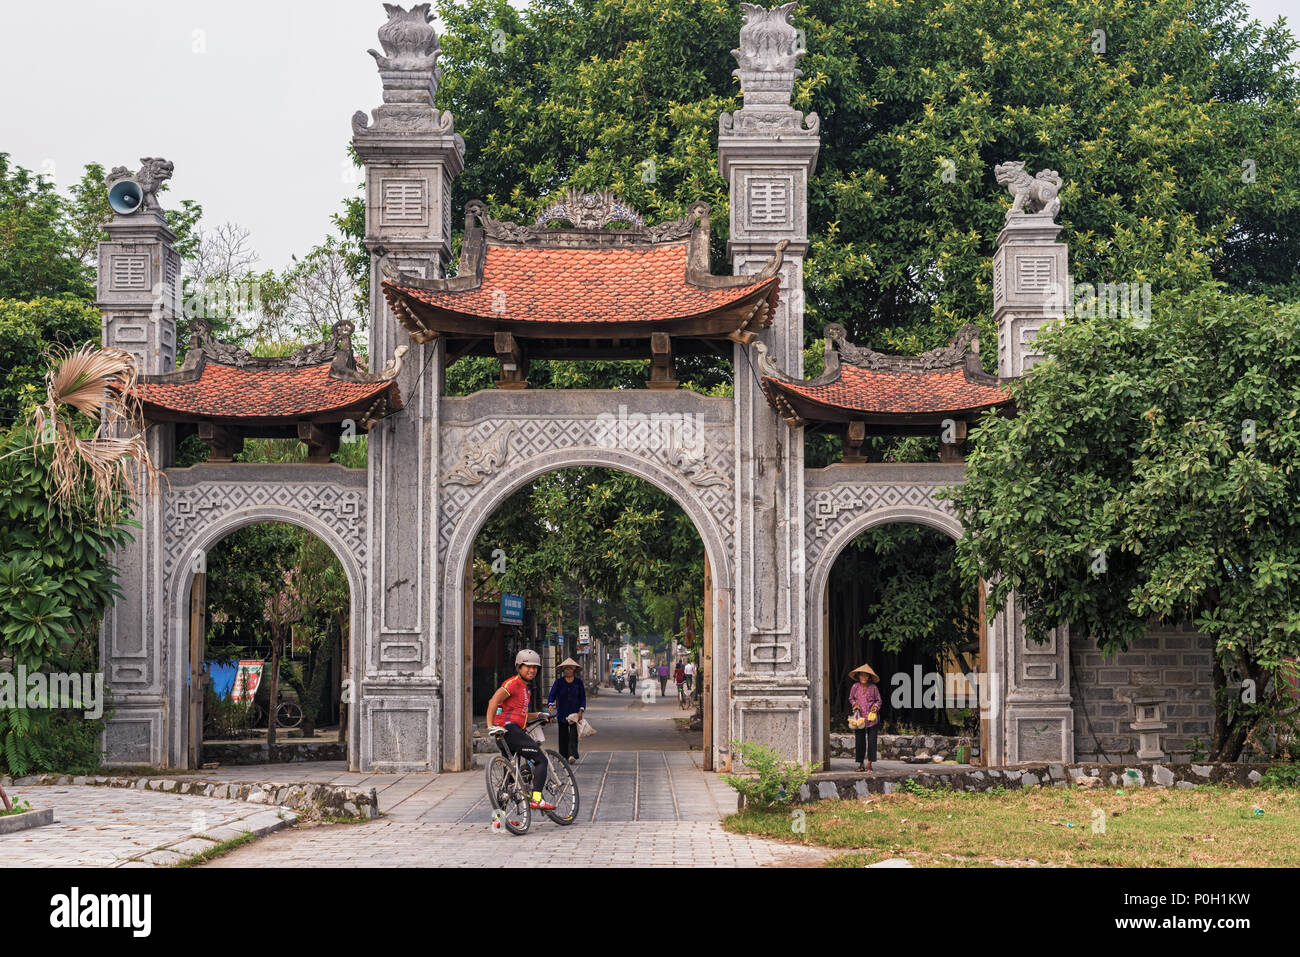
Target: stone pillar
411 154
137 292
767 150
1030 279
1032 688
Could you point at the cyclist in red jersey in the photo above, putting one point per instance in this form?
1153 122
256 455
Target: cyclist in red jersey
508 710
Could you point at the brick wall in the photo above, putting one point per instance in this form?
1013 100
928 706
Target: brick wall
1173 660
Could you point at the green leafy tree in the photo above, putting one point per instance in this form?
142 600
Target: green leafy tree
27 330
38 249
1150 473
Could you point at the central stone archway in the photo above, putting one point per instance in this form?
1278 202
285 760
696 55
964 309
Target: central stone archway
706 513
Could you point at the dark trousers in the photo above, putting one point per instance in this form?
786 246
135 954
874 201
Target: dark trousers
631 684
690 679
520 742
864 743
663 686
568 739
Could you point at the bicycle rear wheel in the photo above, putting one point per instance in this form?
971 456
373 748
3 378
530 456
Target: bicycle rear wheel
507 797
561 789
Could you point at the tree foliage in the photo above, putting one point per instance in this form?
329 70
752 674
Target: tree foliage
918 100
1151 473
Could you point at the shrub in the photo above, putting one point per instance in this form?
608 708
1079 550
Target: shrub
774 781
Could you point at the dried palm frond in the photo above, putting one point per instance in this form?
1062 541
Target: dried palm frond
97 383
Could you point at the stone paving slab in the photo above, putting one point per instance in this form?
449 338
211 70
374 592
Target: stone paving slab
385 843
109 827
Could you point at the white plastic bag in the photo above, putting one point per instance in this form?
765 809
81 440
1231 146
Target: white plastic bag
585 730
573 718
538 735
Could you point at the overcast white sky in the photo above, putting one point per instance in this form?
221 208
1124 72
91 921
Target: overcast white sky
251 99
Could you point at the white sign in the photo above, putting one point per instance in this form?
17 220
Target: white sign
584 633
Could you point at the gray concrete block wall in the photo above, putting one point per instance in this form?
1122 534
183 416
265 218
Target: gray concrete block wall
1172 659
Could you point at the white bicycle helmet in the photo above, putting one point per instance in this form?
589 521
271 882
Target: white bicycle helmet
528 657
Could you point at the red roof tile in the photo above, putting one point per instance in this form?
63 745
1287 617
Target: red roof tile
895 392
222 391
614 284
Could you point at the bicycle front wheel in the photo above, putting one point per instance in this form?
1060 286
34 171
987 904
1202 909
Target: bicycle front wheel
509 802
561 789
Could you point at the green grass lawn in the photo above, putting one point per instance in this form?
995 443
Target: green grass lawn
1205 827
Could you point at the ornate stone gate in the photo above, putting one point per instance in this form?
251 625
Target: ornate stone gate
405 527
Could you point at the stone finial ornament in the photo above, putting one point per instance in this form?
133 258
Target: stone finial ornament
154 171
409 40
1035 195
769 43
768 58
409 70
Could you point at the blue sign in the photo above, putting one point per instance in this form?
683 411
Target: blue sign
512 609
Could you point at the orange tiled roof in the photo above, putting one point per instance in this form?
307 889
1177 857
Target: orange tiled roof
620 284
891 392
226 392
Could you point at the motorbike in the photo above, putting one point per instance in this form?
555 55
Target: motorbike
618 682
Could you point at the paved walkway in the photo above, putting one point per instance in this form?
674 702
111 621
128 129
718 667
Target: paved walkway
644 801
110 827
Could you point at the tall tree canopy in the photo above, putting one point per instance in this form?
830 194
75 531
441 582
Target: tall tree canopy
1152 473
1175 128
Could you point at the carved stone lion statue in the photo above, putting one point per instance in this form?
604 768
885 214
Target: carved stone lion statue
1030 194
154 171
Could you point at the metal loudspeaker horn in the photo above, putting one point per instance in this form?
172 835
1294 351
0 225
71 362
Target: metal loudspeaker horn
125 197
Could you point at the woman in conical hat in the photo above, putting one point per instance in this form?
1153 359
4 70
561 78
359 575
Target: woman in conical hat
569 698
864 699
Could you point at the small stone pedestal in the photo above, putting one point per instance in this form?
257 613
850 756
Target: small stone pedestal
1146 708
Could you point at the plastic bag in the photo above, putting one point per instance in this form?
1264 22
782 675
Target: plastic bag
538 735
585 730
573 718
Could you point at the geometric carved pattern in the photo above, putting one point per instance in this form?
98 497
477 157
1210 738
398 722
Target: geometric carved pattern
188 510
403 202
1033 273
533 436
829 510
129 272
769 201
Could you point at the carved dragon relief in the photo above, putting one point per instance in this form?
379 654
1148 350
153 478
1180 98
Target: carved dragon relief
481 460
690 460
588 212
945 357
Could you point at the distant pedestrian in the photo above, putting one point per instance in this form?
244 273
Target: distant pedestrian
631 679
569 698
679 675
663 679
864 698
690 676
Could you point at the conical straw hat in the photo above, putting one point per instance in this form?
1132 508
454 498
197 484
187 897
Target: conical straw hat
568 663
867 668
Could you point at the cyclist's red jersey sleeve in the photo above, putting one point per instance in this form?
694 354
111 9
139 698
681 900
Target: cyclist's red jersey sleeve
515 708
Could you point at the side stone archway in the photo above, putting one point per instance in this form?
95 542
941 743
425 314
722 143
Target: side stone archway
199 507
842 502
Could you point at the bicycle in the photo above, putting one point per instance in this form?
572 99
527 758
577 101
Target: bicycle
683 700
510 785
